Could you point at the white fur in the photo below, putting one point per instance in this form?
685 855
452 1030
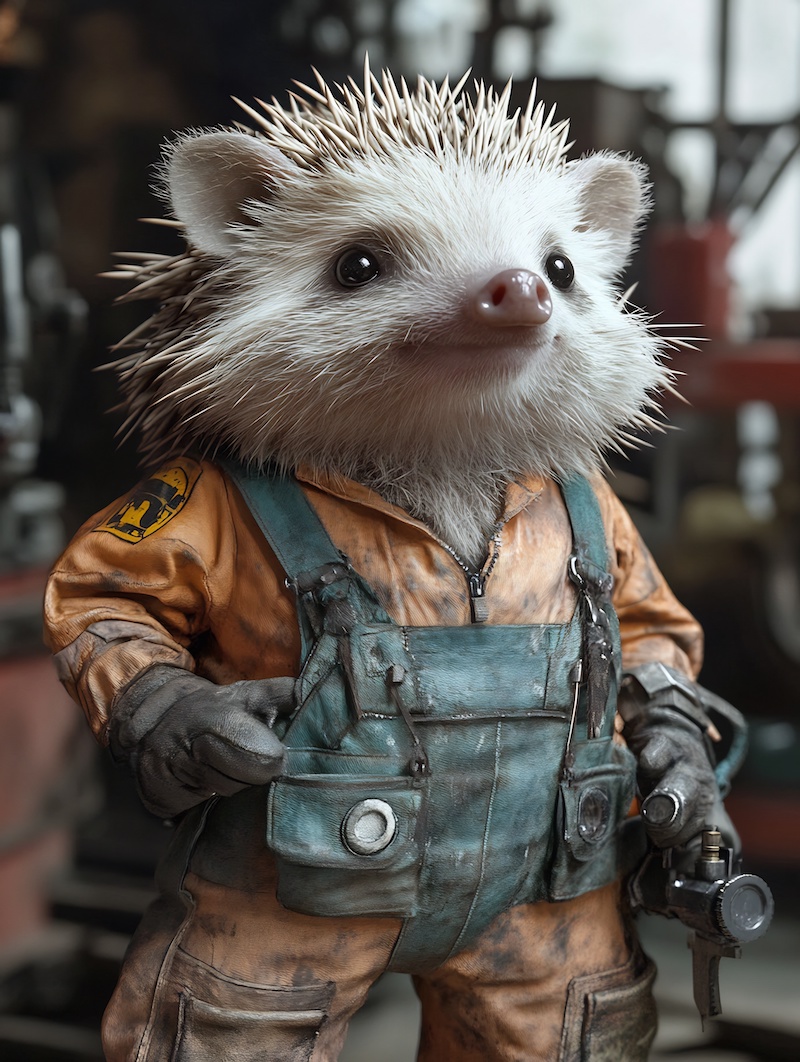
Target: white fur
395 383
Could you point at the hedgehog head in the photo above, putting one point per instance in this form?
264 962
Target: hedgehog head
395 284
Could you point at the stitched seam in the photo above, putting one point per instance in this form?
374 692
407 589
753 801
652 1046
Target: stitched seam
486 828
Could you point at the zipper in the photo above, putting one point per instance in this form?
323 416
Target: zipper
476 580
477 589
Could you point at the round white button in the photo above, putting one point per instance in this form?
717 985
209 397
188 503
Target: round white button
369 827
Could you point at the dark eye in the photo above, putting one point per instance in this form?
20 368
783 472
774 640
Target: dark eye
355 267
560 270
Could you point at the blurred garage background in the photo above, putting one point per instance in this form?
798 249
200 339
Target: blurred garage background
708 93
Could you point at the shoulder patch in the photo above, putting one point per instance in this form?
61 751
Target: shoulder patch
153 503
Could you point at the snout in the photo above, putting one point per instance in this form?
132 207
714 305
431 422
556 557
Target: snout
513 298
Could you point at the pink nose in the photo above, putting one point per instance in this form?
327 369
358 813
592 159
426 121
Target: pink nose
513 297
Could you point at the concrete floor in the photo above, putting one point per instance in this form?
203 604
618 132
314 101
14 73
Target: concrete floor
760 998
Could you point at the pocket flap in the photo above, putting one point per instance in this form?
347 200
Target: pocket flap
340 822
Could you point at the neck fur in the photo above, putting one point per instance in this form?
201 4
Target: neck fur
462 508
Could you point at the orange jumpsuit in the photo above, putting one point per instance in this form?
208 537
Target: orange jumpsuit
179 573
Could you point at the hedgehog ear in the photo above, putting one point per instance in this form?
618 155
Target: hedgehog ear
211 178
613 198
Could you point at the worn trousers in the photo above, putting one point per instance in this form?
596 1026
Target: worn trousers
217 974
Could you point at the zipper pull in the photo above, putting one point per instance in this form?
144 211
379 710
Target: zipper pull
477 604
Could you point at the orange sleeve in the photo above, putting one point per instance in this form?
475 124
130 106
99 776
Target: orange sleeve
134 586
653 623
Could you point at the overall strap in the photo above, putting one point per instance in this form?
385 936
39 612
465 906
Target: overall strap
588 531
319 573
589 571
287 521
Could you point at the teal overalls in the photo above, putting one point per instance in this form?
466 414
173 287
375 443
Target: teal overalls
442 774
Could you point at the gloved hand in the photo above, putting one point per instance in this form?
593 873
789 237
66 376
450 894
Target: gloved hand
669 732
187 739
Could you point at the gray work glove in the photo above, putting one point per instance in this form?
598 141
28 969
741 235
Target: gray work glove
187 739
669 732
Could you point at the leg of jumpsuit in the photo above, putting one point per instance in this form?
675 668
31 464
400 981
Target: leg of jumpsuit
242 979
219 971
546 982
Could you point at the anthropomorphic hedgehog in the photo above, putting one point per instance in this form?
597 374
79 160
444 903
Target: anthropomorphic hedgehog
362 629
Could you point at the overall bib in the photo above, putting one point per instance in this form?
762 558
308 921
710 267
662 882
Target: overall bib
442 774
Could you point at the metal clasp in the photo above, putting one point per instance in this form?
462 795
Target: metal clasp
317 578
575 575
576 679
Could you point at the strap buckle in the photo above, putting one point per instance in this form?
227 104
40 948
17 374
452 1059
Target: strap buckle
318 578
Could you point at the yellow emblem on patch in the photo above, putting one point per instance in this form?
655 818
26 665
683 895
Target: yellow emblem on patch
153 503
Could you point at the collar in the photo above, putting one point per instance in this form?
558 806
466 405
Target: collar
519 494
